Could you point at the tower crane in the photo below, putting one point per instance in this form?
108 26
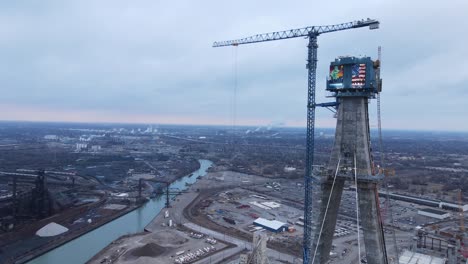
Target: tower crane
312 33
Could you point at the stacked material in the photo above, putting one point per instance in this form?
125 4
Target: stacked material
51 229
115 206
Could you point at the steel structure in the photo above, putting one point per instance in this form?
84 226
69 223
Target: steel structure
311 33
40 202
36 202
168 191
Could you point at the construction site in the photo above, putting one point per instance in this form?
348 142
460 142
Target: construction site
221 195
232 208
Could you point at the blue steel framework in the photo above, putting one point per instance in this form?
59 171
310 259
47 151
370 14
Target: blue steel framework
312 33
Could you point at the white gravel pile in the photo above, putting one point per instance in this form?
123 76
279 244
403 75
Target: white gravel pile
51 229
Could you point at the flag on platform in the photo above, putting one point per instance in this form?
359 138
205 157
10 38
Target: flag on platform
358 76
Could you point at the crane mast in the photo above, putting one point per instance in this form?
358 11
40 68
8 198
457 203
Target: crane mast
312 33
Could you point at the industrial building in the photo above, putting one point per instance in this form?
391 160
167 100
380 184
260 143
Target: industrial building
271 225
424 201
438 214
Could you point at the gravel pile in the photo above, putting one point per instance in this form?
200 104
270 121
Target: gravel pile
148 250
51 229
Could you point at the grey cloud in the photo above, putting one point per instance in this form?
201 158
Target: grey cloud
155 57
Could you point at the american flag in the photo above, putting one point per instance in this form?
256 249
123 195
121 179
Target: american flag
358 78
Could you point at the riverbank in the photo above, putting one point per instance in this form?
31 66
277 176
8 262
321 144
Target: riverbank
109 253
120 251
132 223
31 247
69 236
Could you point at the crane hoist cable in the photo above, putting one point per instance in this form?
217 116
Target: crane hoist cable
388 204
233 101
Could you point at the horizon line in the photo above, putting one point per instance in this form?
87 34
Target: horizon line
213 125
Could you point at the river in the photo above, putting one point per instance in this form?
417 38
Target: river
86 246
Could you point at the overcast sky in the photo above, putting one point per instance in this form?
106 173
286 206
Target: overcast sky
152 61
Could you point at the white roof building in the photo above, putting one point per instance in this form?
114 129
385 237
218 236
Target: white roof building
272 204
438 214
409 257
272 225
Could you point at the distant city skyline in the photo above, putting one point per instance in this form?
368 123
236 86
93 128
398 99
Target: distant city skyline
152 62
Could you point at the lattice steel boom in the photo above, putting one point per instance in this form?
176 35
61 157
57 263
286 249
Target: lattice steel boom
312 33
299 32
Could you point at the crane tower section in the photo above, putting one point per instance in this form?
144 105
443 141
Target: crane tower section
353 81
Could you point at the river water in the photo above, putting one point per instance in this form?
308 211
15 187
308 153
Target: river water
86 246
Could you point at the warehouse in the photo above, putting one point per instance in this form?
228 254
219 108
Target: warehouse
271 225
434 213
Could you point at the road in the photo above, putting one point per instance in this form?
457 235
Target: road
207 183
240 245
218 257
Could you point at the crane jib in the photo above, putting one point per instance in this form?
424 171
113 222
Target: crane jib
299 32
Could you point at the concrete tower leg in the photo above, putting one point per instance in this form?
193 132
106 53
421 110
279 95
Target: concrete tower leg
326 234
371 224
351 150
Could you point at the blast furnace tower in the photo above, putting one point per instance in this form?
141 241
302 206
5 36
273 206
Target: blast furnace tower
352 81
